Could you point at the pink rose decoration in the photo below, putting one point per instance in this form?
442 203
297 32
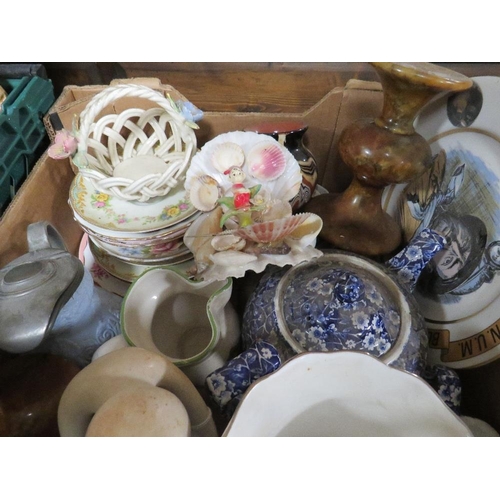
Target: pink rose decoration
65 145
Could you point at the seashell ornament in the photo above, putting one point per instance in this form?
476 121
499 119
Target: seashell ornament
228 155
204 193
228 241
273 230
266 161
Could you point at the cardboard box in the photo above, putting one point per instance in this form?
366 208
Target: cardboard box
325 119
44 194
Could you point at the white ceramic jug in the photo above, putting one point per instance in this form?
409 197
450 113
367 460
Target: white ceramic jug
192 323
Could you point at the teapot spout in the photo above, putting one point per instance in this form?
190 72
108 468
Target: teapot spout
409 263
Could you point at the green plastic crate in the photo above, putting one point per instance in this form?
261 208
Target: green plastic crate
22 133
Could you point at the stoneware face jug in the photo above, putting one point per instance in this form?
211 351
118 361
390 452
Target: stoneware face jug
49 303
340 301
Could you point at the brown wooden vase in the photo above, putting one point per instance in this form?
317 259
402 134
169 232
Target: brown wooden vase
382 152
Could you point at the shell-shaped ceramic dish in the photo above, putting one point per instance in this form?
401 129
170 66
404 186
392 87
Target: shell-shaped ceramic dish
342 394
285 187
236 263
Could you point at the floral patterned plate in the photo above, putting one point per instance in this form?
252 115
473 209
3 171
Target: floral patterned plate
142 254
107 280
112 213
128 271
132 238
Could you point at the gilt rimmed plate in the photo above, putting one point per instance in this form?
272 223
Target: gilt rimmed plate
128 271
112 213
136 237
459 292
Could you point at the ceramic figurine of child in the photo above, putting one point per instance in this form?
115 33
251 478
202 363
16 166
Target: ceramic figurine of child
240 204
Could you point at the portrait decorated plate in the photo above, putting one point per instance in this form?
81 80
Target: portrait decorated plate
459 196
111 213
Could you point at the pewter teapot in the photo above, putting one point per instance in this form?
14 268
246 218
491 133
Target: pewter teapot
339 301
48 301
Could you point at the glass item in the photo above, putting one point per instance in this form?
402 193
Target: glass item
383 152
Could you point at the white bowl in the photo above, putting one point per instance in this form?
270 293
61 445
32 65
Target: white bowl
344 394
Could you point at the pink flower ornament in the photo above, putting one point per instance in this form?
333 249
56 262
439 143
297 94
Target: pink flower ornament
65 145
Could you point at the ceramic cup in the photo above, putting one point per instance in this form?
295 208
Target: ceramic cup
191 323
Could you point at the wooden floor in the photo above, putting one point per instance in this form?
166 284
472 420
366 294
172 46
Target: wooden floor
241 87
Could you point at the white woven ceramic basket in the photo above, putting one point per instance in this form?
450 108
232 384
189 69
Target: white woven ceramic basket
160 131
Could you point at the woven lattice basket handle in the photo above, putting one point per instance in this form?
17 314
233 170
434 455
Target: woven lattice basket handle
111 94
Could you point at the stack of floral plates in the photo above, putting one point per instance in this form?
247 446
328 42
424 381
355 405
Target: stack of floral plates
127 238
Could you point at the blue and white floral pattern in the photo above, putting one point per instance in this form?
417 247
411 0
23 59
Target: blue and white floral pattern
233 379
409 263
259 318
446 382
335 309
329 305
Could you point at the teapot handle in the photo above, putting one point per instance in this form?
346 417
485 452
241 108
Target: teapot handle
43 236
228 383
